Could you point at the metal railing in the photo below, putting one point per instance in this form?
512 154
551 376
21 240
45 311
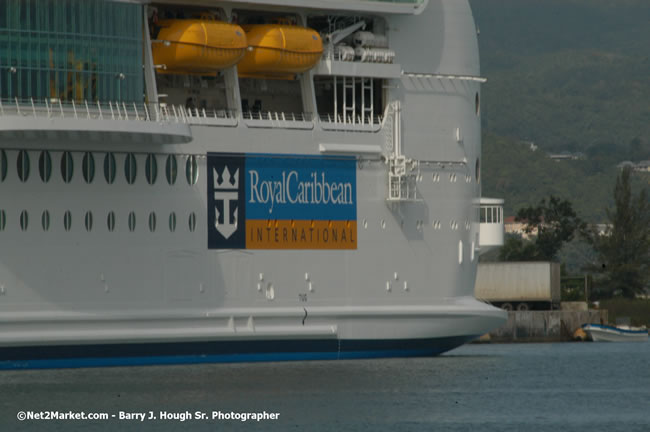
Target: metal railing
349 120
177 114
130 111
278 116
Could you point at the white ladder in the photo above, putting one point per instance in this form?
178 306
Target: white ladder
349 100
367 100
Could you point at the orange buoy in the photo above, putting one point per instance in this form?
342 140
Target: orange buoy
279 51
198 46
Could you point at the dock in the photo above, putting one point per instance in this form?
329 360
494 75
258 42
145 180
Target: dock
543 326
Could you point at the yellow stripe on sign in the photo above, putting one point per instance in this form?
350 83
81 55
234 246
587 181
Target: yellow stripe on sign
301 234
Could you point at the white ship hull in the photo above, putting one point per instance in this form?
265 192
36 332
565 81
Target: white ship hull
123 269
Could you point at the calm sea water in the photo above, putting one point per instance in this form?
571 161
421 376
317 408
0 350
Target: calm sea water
528 387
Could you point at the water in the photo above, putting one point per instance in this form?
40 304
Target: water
515 387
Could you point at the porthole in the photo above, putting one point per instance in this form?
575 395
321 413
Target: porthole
45 166
109 168
24 220
132 221
460 252
130 168
22 165
67 167
67 220
3 165
3 220
151 169
171 169
477 170
88 167
172 222
45 220
88 221
192 170
477 102
192 222
152 221
110 221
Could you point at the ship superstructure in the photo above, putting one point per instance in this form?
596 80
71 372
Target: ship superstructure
239 180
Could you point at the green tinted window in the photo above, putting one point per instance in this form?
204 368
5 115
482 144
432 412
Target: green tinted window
109 168
45 166
71 50
67 166
130 168
88 167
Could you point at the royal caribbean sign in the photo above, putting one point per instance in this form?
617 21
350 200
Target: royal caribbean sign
264 201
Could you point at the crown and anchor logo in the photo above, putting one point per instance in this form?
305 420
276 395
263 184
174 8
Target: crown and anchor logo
226 190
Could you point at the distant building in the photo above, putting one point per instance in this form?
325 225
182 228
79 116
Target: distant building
642 166
511 226
566 156
601 229
626 164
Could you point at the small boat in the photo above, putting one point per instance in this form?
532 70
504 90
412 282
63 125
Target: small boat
198 46
279 51
623 333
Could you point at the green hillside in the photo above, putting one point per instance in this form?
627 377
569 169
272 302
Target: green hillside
524 177
566 74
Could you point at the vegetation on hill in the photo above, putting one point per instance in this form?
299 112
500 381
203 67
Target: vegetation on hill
567 74
524 177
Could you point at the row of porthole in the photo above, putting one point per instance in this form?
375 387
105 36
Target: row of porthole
453 178
88 221
110 167
419 224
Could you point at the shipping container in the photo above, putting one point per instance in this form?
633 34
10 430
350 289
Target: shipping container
519 285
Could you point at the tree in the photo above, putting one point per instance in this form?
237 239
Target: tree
552 222
515 248
624 249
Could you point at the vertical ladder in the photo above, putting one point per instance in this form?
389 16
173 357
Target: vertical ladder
336 100
367 102
349 100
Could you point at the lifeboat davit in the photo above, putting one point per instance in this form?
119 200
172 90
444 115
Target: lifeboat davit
198 46
279 51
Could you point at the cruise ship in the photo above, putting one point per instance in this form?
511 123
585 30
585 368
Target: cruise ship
242 180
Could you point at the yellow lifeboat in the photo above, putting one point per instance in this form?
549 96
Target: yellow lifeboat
279 51
198 46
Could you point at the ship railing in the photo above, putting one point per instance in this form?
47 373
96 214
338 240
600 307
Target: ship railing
336 55
367 123
53 108
203 116
56 108
114 110
278 119
278 116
